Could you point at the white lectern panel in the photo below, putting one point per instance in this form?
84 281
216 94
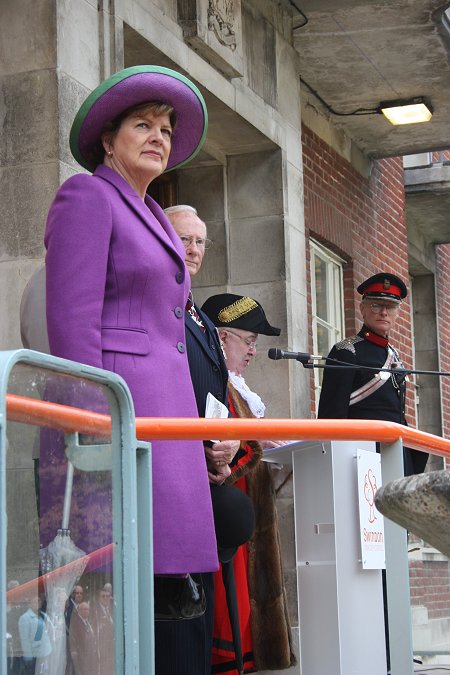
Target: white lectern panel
340 604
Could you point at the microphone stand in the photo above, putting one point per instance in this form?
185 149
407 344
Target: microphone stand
306 361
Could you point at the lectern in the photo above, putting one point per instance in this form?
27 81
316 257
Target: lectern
340 604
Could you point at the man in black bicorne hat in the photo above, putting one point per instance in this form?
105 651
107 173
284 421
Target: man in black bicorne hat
240 320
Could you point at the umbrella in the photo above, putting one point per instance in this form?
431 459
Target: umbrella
229 583
59 553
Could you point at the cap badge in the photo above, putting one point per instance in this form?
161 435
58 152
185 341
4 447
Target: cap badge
386 284
237 309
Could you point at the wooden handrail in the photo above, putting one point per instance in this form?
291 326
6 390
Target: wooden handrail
43 413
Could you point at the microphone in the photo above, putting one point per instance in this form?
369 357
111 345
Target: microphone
275 353
307 361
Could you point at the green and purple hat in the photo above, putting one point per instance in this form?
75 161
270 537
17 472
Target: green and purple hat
134 86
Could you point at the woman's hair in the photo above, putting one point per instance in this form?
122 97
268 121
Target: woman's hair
110 129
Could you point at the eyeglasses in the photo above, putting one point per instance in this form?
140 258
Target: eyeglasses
378 307
251 344
201 243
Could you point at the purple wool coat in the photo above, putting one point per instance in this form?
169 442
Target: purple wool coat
116 290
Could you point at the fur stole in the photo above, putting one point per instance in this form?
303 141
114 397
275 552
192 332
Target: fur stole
271 631
252 449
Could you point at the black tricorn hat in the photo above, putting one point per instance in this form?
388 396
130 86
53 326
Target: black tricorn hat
227 310
383 286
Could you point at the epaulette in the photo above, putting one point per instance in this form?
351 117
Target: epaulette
349 343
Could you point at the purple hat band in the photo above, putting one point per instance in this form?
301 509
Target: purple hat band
133 86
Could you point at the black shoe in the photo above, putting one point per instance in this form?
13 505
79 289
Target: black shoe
178 598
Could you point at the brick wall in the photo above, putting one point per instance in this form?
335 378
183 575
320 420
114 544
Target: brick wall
430 586
363 220
443 308
440 156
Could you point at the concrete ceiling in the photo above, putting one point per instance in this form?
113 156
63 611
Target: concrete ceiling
427 213
356 53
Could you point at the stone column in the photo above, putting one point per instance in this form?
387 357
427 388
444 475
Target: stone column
54 53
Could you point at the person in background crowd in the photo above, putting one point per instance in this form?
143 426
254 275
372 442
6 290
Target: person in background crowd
116 286
36 637
14 610
33 325
33 333
72 603
82 642
233 513
102 621
263 614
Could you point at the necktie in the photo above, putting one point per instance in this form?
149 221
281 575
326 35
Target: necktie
190 307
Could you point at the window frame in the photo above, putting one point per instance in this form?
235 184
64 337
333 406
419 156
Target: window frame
335 325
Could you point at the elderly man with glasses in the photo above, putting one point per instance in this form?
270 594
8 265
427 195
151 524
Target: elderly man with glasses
364 394
207 365
233 511
263 617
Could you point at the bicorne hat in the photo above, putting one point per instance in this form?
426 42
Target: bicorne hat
227 310
234 519
134 86
383 286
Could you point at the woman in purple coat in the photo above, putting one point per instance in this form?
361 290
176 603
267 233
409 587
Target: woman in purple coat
117 283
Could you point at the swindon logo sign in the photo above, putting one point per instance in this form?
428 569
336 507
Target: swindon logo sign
371 522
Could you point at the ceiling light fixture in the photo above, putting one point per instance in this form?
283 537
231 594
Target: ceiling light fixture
399 111
407 111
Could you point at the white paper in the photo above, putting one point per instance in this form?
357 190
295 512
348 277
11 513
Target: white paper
215 409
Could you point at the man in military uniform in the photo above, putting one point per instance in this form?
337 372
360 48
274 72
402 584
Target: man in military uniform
364 394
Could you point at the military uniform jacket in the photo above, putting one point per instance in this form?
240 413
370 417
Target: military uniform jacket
385 403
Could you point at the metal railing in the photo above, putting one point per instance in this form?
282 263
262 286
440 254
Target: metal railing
69 419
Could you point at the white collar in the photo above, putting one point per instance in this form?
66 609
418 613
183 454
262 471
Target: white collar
254 401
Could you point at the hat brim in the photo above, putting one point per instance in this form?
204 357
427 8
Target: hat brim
133 86
266 329
380 296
